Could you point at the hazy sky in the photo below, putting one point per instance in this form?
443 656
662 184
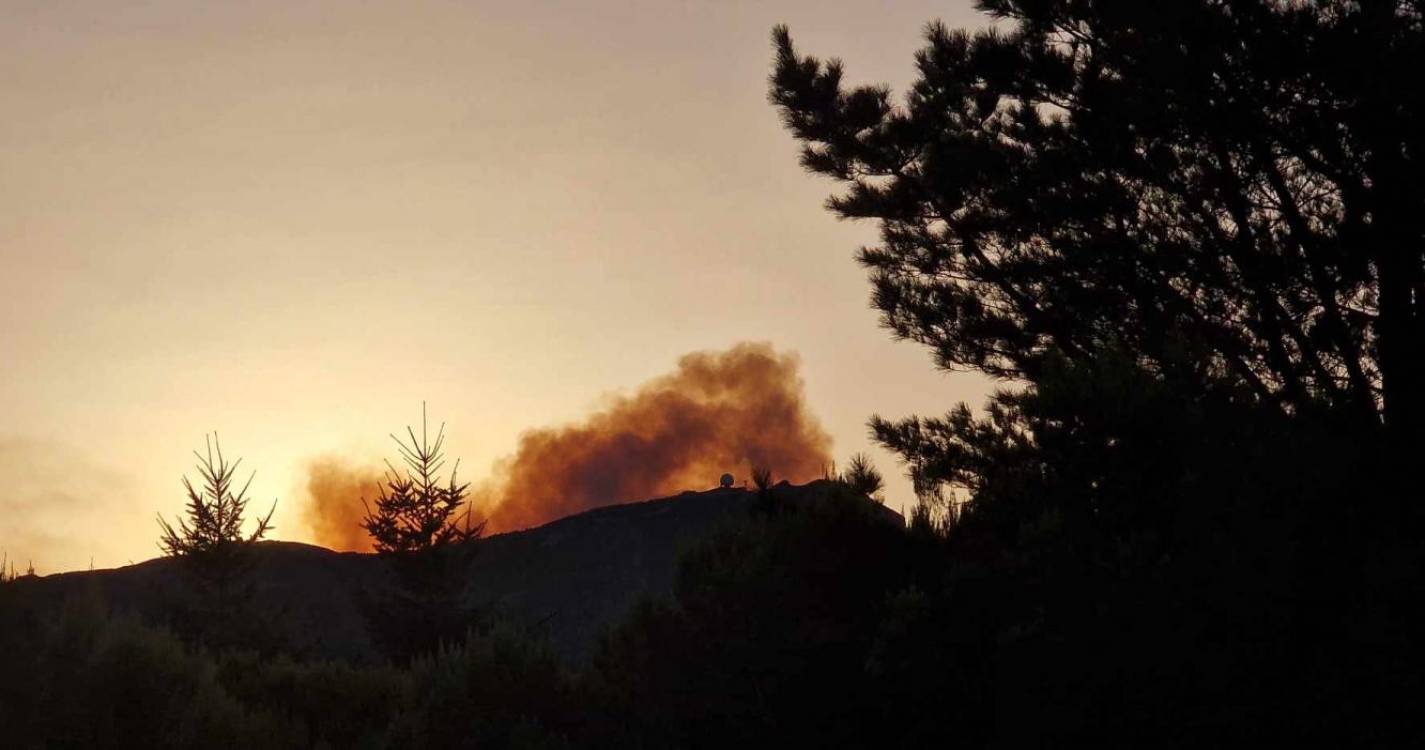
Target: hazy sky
293 221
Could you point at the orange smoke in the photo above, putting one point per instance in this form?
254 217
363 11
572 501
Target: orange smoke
334 509
719 411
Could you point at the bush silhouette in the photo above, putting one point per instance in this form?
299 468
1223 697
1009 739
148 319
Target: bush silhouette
767 636
496 689
79 676
862 477
92 680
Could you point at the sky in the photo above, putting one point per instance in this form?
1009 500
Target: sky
292 222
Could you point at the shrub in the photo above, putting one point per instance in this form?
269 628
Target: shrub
93 680
500 688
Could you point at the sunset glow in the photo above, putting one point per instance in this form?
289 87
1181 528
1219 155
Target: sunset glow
292 223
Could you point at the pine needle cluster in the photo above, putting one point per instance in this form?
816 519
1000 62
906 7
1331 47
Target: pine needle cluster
863 478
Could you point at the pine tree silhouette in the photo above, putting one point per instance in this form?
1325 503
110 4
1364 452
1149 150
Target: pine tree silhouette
415 511
215 551
417 525
214 515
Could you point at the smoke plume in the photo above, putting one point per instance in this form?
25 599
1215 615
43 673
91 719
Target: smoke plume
334 509
717 412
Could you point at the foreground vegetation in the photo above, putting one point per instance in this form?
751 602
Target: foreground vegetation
824 625
681 672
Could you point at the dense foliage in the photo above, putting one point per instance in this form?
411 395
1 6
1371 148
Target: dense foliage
84 678
829 625
1188 237
1226 190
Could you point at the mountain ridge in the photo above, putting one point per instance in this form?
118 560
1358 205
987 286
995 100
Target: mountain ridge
570 578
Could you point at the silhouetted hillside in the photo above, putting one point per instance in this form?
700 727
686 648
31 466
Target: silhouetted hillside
570 578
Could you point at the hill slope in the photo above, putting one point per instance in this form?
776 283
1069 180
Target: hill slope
570 578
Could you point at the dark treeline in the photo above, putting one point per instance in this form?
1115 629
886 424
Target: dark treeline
1189 238
778 620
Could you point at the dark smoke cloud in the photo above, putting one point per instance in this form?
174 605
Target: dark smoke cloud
717 412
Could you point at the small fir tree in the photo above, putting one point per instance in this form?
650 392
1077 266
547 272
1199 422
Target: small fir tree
415 510
215 514
216 553
418 524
